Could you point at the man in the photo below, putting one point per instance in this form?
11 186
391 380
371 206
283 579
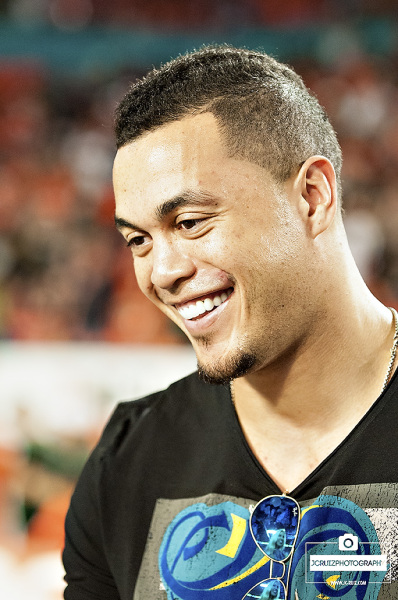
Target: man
227 186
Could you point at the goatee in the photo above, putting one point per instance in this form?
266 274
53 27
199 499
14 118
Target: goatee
222 373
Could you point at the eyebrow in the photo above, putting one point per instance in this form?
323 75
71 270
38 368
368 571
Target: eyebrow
188 198
185 199
121 223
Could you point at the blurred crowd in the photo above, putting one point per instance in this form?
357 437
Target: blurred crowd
199 15
65 273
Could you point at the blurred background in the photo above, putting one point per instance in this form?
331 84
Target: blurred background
75 334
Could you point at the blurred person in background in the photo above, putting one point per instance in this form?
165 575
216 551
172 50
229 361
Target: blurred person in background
227 187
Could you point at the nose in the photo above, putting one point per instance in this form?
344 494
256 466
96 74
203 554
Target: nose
170 265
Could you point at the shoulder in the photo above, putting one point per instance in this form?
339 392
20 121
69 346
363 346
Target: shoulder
169 412
159 446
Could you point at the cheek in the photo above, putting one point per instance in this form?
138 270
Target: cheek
223 248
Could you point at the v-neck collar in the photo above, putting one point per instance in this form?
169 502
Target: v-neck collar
358 429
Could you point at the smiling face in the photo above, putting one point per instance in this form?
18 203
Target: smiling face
218 245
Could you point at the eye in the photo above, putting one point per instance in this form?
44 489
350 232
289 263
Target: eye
189 223
136 241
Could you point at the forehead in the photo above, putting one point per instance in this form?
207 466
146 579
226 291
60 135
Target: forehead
188 154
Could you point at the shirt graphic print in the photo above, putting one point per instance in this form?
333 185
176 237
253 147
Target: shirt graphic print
202 548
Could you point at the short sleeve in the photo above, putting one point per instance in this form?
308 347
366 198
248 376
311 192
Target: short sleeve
88 576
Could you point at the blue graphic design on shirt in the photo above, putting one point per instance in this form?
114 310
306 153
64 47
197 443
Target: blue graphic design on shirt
320 530
208 552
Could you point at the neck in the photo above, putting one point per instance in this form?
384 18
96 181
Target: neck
332 377
342 358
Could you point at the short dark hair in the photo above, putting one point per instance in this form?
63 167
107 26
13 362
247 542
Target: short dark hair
264 110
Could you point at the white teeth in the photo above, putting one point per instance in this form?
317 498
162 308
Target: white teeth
201 307
190 311
208 304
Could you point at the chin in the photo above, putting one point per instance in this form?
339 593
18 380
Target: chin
222 372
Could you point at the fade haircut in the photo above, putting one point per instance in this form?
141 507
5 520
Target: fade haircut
264 111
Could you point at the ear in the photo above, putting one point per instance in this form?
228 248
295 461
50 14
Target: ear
317 185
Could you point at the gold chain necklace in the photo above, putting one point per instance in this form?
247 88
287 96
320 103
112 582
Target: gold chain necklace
393 350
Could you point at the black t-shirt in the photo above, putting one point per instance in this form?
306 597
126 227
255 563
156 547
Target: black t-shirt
162 506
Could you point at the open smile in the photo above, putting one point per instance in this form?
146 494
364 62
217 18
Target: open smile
196 308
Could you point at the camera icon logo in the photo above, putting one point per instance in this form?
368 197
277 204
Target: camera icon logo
348 542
